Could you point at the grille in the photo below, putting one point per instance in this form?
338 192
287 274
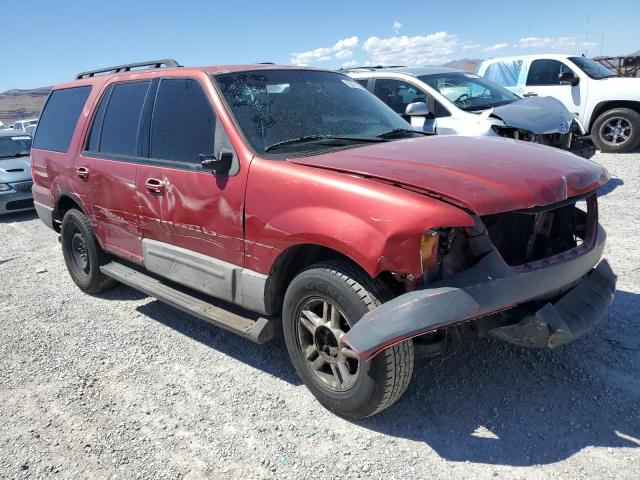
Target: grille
19 204
23 186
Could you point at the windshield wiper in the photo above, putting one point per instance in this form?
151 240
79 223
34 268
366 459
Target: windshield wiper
313 138
15 155
400 132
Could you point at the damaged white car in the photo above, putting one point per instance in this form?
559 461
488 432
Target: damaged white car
445 101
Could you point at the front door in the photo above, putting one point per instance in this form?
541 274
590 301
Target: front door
542 80
186 211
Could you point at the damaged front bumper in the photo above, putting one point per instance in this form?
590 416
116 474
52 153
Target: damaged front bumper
491 286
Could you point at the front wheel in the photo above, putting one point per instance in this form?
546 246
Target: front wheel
321 304
617 130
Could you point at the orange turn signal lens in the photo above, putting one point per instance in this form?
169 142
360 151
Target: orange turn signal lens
429 250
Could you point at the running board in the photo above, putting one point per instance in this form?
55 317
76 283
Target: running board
257 330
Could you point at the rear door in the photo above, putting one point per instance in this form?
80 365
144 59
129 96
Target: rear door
107 167
182 205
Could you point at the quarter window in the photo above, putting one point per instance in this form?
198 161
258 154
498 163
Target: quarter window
546 72
59 118
184 123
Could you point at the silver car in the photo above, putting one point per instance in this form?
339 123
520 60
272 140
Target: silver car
15 172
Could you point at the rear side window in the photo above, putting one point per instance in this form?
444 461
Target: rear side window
183 125
59 118
504 73
119 132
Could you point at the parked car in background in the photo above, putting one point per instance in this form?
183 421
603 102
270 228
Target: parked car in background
288 199
455 102
608 106
15 172
23 125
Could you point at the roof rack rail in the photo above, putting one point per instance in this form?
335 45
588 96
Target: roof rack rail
372 67
167 62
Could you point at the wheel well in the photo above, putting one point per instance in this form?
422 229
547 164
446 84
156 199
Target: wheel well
604 106
294 260
65 203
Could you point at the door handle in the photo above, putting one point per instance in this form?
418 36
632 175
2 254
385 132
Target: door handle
155 186
530 94
82 172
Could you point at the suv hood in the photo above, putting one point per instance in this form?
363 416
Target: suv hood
539 115
15 169
483 174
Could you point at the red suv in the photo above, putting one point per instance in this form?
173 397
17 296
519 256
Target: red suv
268 199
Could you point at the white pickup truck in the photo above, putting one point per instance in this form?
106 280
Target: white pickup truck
607 106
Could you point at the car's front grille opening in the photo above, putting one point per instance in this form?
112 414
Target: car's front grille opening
527 236
19 204
23 186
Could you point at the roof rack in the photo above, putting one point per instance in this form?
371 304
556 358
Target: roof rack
372 67
167 62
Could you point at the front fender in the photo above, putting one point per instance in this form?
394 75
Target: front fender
377 225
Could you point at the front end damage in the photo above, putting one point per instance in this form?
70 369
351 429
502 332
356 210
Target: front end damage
542 120
534 278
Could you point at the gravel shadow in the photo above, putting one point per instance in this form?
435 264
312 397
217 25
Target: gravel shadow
610 186
271 358
18 217
499 404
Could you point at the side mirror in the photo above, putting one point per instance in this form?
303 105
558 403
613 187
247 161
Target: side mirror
568 78
417 109
218 165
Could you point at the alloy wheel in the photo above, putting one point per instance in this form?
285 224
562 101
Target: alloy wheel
616 131
321 325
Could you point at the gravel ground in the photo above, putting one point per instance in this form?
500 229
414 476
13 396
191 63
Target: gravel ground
121 386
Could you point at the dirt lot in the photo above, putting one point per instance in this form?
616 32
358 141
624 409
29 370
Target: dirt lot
121 386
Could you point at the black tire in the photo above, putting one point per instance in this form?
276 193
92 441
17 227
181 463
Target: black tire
378 383
603 134
83 254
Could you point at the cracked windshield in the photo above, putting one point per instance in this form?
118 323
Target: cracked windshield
299 110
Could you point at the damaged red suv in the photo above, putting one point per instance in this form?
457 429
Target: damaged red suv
273 200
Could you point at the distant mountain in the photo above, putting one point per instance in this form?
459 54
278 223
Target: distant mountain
21 104
467 64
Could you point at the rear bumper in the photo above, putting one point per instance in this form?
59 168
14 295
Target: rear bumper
492 286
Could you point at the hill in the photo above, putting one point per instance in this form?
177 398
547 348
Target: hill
467 64
21 104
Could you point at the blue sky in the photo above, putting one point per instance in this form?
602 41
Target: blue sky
59 38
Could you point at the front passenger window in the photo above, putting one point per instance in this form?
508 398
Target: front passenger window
184 122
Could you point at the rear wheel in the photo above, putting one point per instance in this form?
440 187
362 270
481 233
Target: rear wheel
322 304
83 254
617 130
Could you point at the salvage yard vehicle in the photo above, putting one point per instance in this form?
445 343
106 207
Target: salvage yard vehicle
446 101
267 199
15 172
608 106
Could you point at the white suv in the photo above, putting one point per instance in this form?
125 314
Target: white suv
446 101
608 106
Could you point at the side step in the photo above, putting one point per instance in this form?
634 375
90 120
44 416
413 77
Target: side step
257 330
